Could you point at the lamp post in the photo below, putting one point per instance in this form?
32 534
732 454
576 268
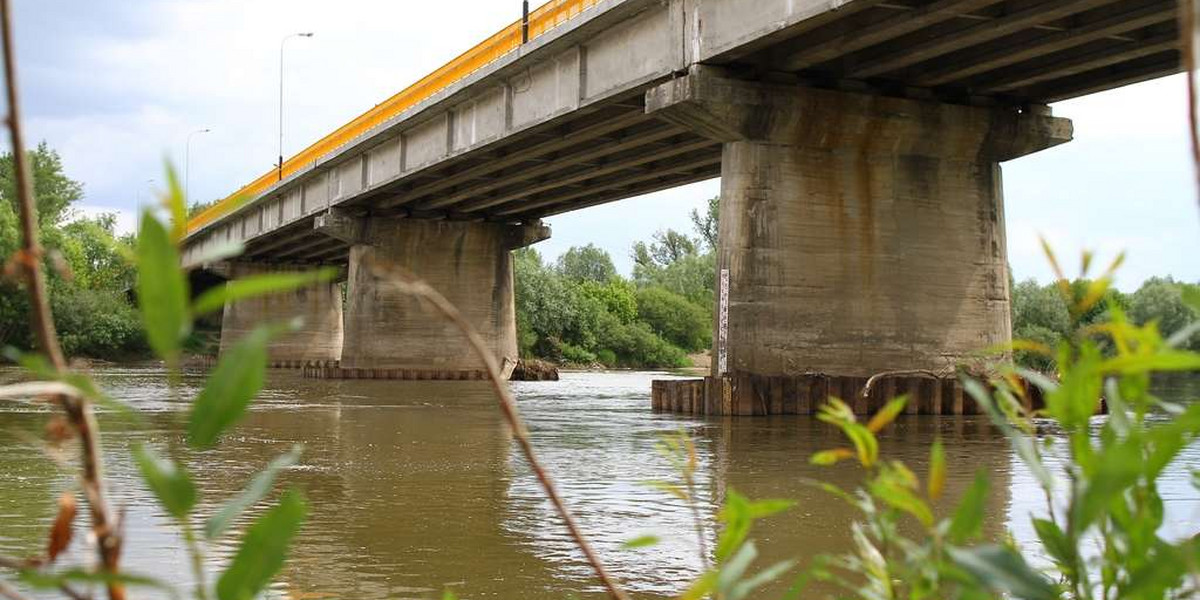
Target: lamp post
187 162
137 200
282 42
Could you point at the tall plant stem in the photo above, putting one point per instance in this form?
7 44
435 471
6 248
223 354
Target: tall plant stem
1187 33
78 409
407 283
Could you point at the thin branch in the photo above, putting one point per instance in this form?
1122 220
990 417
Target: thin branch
78 409
1187 30
407 283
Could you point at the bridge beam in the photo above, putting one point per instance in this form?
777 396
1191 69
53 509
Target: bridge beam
319 306
389 334
858 234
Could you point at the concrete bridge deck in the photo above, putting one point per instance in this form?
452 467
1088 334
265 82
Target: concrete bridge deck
858 141
558 124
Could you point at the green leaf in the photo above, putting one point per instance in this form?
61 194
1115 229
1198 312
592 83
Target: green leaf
937 470
761 509
39 367
258 489
169 482
1056 544
643 541
826 458
449 595
237 378
219 252
1078 395
865 443
887 414
1003 570
732 570
702 587
45 580
743 588
1114 471
258 285
162 290
899 497
1164 360
263 550
967 522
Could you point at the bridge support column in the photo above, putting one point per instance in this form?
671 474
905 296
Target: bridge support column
858 234
389 335
319 339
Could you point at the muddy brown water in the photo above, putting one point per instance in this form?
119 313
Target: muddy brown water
416 487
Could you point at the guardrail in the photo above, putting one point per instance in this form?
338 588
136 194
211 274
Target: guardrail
543 19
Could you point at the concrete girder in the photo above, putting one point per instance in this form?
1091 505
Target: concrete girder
624 181
1077 35
626 163
587 152
986 31
1082 62
555 142
837 44
1136 71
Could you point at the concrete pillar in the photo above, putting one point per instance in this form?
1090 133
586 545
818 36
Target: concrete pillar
858 233
320 306
469 263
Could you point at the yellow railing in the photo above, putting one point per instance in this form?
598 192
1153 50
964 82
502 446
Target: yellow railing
544 18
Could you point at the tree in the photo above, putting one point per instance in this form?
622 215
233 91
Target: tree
1161 299
53 191
586 263
707 224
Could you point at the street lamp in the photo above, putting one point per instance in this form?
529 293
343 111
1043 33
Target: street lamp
137 200
283 41
187 163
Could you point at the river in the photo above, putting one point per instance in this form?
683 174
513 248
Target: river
415 487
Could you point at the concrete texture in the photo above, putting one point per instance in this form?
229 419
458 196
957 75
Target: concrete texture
861 234
320 306
469 263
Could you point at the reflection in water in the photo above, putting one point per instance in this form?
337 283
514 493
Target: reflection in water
415 486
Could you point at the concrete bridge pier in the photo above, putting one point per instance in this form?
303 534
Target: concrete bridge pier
390 336
859 235
319 339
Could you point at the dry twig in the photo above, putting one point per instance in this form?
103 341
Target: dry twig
408 283
78 409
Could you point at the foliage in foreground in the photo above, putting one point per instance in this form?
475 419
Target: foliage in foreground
1102 526
167 313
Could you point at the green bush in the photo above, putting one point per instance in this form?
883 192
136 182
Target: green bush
637 346
676 319
97 323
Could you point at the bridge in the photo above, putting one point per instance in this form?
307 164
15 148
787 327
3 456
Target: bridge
858 143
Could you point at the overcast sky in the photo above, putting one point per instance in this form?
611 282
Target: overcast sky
116 86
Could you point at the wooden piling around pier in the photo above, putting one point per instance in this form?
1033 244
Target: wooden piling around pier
754 395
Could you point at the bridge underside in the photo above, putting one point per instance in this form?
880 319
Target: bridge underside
975 74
